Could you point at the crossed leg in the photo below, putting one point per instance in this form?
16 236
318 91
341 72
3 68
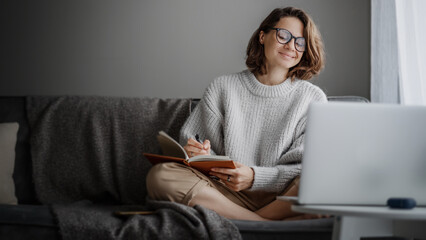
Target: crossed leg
214 200
176 182
276 210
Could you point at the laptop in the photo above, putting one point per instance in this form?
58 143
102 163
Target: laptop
363 154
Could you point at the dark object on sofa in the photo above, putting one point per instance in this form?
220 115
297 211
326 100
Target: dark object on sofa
31 219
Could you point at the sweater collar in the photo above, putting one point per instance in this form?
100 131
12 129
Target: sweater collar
260 89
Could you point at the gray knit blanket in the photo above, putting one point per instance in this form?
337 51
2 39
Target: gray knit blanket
90 148
168 220
88 163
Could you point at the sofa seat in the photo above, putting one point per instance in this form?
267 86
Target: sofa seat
39 223
27 222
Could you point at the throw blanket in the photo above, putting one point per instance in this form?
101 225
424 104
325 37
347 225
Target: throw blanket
84 220
91 147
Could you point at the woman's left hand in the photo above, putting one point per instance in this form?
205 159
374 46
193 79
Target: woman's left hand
236 179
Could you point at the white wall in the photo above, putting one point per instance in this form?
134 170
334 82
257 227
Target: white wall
161 48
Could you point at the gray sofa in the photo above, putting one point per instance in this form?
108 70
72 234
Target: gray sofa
32 217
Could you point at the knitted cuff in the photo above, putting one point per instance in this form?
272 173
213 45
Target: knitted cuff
263 178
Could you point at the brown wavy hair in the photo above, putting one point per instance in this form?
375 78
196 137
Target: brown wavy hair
313 59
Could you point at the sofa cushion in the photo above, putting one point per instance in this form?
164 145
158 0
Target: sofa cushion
8 135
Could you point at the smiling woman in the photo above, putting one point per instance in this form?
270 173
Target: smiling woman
281 55
256 117
312 61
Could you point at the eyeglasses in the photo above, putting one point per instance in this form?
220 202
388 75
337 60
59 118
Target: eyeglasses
284 36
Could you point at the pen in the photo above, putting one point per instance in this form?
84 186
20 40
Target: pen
197 137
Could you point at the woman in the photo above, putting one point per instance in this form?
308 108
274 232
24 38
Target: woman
257 117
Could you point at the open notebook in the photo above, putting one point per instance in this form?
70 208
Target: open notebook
174 152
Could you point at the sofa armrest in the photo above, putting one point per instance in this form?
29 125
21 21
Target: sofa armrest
12 109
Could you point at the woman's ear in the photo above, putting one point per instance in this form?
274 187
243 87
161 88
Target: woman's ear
261 37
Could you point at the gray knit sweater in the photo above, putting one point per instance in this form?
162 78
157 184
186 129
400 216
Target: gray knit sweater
257 125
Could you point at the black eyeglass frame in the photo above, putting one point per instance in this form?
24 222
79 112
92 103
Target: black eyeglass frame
291 37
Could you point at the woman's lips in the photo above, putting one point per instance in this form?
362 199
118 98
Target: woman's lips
286 55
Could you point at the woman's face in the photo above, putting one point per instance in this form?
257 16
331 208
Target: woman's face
282 55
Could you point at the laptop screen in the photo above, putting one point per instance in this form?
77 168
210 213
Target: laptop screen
363 154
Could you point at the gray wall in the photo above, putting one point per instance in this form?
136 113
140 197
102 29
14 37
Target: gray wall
161 48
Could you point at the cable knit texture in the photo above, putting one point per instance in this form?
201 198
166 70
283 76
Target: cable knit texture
257 125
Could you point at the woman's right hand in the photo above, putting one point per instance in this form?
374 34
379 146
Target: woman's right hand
194 148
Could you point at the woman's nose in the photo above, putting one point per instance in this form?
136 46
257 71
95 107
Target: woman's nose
290 44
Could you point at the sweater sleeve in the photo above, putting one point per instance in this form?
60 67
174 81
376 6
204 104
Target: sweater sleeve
276 179
206 121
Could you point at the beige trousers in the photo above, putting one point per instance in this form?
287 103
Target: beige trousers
179 183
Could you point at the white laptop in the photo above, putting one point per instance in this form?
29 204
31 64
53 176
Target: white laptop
363 154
